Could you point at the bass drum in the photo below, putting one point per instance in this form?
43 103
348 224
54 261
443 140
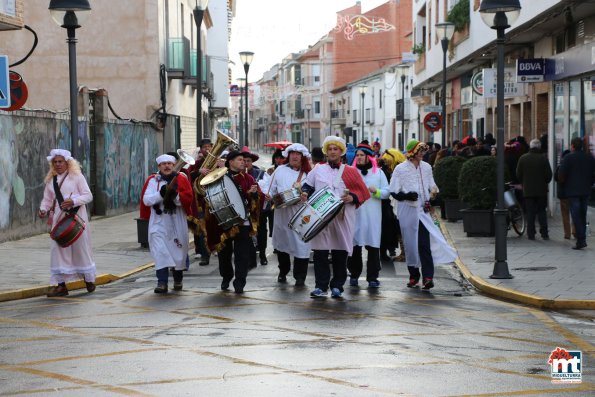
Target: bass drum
315 214
225 201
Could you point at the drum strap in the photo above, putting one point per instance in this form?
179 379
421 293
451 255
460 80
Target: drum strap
59 195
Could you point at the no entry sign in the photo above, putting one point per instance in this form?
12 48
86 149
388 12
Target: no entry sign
433 122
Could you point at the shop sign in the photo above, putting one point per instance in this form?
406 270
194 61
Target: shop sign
511 87
530 70
477 83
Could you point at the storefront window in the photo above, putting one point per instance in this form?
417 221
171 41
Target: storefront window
589 104
560 117
574 107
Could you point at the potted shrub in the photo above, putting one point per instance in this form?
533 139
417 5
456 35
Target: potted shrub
446 176
477 189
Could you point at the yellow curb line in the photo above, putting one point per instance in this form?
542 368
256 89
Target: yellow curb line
514 295
102 279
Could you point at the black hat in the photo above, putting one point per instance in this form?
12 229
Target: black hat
232 155
205 141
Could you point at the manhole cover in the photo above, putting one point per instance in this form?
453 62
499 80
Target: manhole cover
535 268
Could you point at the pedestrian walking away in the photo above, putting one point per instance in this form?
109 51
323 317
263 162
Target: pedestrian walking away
337 237
286 183
367 228
534 173
412 185
169 195
64 202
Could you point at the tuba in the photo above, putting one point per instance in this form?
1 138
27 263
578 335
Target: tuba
210 161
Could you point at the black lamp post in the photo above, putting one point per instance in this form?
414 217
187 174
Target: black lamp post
199 11
362 92
403 71
246 58
242 84
308 107
69 14
445 31
330 121
499 15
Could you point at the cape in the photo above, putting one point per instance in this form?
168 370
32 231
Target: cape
355 183
184 191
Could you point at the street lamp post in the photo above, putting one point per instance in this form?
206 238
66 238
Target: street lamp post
499 15
69 14
246 58
445 31
308 107
242 84
199 10
362 92
403 70
330 122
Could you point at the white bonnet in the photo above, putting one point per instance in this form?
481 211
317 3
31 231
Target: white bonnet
59 152
296 147
165 158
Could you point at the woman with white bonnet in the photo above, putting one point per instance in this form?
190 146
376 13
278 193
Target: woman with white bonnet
66 193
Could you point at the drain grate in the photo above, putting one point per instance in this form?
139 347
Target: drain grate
535 268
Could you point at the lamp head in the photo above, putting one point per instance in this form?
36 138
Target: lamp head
69 13
242 82
363 89
246 57
445 30
499 14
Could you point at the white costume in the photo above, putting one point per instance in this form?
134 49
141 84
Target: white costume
168 233
369 215
407 178
285 239
70 263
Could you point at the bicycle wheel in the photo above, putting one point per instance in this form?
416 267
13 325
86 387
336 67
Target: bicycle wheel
517 219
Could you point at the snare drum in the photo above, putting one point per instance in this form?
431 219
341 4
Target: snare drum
68 230
226 202
314 215
287 198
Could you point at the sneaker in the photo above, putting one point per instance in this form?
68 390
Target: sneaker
59 290
318 293
353 282
336 293
161 288
413 283
282 279
90 286
374 284
178 285
428 283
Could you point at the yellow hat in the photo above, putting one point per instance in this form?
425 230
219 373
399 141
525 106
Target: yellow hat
334 140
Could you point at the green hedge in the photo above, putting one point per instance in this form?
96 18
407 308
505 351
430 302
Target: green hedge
446 176
477 183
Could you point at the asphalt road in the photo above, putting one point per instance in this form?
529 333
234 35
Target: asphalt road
274 340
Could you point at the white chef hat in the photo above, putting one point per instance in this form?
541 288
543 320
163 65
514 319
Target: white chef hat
165 158
296 147
59 152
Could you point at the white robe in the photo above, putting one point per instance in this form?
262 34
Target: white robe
76 261
338 234
285 239
168 233
407 178
368 221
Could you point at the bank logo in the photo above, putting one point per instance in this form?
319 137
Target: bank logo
566 366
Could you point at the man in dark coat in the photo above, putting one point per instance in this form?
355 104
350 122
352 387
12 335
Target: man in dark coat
534 172
577 172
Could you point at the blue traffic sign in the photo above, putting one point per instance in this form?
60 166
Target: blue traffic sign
4 83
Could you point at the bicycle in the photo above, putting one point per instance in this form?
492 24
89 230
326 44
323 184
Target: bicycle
515 217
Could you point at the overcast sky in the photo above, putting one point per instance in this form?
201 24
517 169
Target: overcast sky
273 29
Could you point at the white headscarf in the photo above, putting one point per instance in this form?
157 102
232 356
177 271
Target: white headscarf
165 158
296 147
59 152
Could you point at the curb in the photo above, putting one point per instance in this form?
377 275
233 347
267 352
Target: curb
514 295
102 279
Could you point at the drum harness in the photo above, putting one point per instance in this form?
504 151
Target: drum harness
60 198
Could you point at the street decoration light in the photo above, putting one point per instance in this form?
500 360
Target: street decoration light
70 14
362 92
308 107
444 31
499 15
199 11
246 58
403 70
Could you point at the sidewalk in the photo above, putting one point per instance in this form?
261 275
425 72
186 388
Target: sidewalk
547 274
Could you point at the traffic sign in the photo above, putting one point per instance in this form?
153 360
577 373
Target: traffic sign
433 122
4 83
432 108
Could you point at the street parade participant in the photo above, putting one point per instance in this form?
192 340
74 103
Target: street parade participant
200 248
412 185
169 195
346 183
236 241
367 233
65 185
286 242
391 237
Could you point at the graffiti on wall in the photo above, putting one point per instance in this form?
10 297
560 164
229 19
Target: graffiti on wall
130 151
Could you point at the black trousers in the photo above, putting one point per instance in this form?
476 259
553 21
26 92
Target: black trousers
239 247
425 255
300 265
262 235
322 270
535 207
355 263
